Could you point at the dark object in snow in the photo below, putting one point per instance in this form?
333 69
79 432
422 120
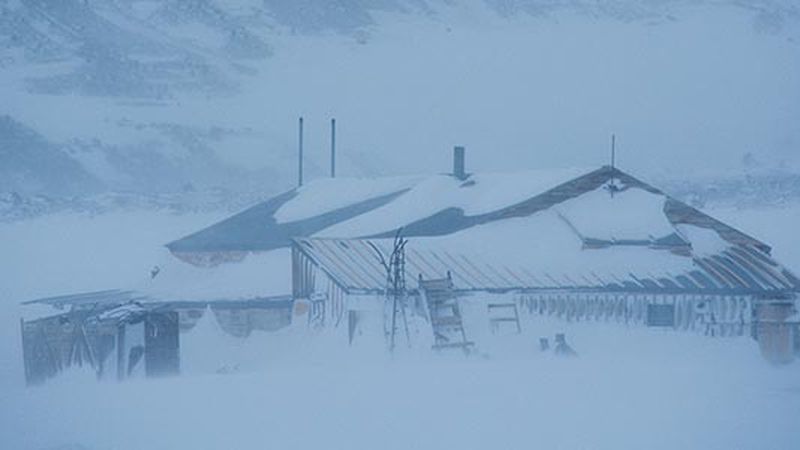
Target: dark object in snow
612 187
227 369
660 315
562 348
154 272
776 323
459 163
544 344
352 323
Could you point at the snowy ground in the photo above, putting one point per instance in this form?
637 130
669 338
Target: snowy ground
630 388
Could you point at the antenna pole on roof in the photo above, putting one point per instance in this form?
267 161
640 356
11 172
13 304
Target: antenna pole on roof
613 151
612 186
333 148
300 153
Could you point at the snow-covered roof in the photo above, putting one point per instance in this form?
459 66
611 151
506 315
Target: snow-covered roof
259 275
442 205
113 297
530 230
542 253
618 234
345 207
257 280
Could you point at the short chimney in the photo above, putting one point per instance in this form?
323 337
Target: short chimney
459 170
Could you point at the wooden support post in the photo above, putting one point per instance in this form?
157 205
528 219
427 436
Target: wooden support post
121 353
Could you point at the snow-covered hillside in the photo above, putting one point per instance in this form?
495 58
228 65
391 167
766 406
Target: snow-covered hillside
170 96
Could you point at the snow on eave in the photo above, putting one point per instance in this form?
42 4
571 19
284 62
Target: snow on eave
90 300
259 278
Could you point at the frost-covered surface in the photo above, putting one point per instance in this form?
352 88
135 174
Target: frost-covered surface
208 349
544 244
480 194
540 251
119 251
546 249
704 241
628 386
70 253
325 195
257 275
633 214
359 207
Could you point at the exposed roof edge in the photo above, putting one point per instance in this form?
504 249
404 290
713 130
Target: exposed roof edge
677 212
119 297
236 233
350 264
220 237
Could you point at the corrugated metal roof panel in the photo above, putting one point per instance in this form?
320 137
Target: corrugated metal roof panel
356 264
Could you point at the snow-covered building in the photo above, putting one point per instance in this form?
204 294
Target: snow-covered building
131 333
579 244
602 244
118 342
572 242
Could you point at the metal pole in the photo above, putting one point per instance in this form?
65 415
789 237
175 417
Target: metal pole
300 154
613 151
333 148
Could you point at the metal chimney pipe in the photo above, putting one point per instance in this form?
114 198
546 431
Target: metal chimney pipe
300 154
459 169
333 148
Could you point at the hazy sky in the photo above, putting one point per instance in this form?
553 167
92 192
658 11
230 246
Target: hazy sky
692 89
701 91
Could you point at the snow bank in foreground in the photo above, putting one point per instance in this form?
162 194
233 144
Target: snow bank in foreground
629 388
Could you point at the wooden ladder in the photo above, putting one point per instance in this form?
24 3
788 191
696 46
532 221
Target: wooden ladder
511 315
445 315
